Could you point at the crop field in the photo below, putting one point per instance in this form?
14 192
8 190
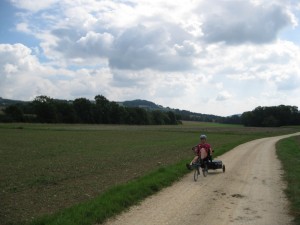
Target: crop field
46 168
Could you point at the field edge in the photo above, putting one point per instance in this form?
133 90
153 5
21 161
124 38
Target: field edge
288 152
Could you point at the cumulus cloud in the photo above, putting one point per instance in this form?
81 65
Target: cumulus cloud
289 83
24 77
18 57
23 27
20 70
224 95
158 35
188 48
237 22
33 5
142 47
185 54
88 31
95 44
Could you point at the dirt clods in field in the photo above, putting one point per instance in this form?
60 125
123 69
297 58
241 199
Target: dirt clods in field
237 196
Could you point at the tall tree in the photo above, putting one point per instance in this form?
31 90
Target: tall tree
272 116
45 109
65 112
14 113
83 108
102 109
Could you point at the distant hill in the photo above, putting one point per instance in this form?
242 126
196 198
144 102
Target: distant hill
141 104
6 102
185 115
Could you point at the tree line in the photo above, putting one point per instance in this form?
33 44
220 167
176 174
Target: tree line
44 109
272 116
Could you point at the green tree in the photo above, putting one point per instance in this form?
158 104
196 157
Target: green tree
137 116
159 117
102 109
45 110
115 113
270 121
14 113
172 117
65 112
281 115
84 110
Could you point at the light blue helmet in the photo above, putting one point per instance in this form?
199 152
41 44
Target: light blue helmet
203 136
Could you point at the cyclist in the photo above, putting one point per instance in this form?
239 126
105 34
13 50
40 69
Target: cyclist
202 150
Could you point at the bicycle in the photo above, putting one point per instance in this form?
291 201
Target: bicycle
196 166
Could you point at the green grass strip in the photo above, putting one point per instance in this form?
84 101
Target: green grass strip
288 151
115 200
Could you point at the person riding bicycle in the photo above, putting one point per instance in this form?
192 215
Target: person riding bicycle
203 151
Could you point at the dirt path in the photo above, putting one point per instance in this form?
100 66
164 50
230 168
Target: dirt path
250 192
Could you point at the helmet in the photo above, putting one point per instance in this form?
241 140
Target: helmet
203 136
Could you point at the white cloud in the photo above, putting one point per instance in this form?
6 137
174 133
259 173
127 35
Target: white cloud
188 48
142 47
33 5
236 22
195 55
23 27
9 68
159 35
24 77
224 95
95 44
18 56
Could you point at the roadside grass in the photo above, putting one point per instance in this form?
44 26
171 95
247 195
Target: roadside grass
69 171
288 151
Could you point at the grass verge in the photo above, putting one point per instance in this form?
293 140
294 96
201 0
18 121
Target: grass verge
288 151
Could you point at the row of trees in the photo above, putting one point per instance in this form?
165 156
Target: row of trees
101 111
44 109
273 116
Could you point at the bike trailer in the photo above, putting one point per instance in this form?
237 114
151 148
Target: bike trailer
215 164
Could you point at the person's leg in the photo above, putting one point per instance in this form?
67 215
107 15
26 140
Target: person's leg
204 161
189 166
203 153
194 160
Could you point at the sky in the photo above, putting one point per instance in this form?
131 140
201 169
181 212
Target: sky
220 57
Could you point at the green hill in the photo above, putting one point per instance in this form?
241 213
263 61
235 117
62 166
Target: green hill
7 102
185 114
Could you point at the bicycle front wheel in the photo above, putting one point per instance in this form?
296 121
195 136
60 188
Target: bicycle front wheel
205 170
196 173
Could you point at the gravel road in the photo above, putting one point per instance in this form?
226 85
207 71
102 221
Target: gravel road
249 192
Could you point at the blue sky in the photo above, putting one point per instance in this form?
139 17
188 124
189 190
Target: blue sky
218 57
